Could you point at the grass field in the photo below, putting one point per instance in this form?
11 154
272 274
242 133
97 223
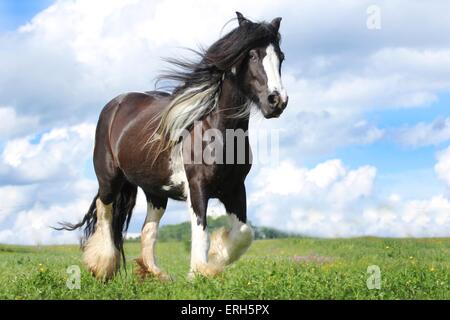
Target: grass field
293 268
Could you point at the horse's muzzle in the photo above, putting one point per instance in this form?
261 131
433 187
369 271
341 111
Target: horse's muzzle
276 105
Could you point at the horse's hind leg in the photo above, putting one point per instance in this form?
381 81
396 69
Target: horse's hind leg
100 253
147 261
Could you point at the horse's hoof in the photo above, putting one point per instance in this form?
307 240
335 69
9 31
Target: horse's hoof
164 277
160 276
208 270
102 266
143 272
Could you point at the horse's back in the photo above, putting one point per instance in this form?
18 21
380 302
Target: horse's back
130 109
135 113
134 104
123 132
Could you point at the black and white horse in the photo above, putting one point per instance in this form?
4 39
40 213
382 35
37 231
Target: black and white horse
147 140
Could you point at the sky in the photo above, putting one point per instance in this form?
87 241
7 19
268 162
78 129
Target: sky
364 143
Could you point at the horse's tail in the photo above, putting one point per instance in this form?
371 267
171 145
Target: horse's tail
123 206
89 221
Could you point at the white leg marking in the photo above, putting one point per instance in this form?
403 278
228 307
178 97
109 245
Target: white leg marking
200 248
199 236
199 241
149 235
100 254
228 246
271 65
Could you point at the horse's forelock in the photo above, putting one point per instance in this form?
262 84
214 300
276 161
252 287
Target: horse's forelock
233 47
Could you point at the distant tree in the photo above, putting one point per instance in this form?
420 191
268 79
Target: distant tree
182 231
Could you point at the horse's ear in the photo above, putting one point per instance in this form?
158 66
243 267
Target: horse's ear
276 23
241 19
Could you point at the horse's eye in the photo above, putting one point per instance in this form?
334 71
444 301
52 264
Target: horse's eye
253 55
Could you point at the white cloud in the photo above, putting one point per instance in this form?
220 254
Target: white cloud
44 183
326 173
413 218
32 226
323 131
329 176
33 209
58 155
356 184
13 199
424 134
280 191
12 125
331 200
442 166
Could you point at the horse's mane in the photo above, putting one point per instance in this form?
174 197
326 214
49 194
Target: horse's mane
199 82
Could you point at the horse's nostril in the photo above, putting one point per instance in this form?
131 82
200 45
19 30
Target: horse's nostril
274 99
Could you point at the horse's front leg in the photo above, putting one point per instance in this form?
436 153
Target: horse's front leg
197 203
228 245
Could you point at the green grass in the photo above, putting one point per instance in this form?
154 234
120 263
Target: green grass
294 268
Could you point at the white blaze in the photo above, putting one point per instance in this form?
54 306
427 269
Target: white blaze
271 65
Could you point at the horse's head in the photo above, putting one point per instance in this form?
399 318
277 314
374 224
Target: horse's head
260 70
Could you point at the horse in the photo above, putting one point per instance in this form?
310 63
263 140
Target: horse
138 144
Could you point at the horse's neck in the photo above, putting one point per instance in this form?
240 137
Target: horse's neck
223 117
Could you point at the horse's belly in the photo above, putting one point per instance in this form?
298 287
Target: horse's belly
165 177
173 192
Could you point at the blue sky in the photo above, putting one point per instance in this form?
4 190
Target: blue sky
364 141
16 13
